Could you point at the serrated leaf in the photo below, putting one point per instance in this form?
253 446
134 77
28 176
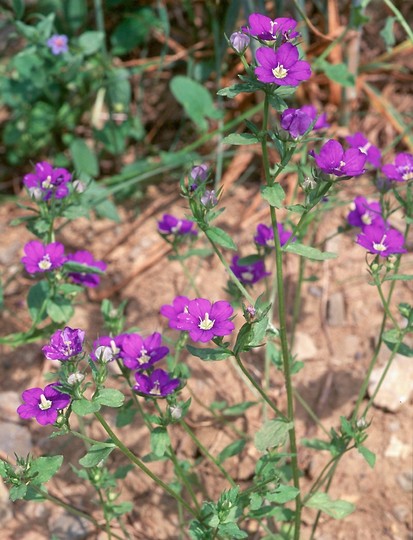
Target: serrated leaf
231 450
109 397
240 139
274 195
368 455
337 509
83 407
220 237
309 252
45 467
208 354
272 434
96 454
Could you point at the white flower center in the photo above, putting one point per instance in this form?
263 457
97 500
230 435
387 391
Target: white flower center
114 348
407 173
342 163
381 246
177 227
247 276
45 263
68 345
206 323
47 183
366 219
270 242
273 23
144 355
156 388
44 403
364 149
280 72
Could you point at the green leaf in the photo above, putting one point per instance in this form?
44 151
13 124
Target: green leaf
232 449
274 195
90 42
59 309
236 410
18 8
46 468
240 139
387 33
96 454
399 277
392 340
109 397
296 208
309 252
337 509
17 492
83 407
283 494
126 414
38 295
80 268
159 441
368 455
133 30
208 354
75 13
338 73
220 237
251 335
84 158
195 99
231 530
272 434
317 444
238 88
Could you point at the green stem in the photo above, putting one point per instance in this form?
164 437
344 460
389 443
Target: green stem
400 18
310 411
283 329
189 276
136 461
206 453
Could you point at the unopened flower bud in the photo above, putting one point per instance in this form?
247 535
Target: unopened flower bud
209 199
239 42
79 186
361 423
75 378
309 183
36 193
200 172
176 412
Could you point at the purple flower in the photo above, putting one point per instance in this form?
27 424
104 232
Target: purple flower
140 353
107 348
172 225
205 320
321 121
265 235
401 170
381 240
281 66
179 305
266 29
43 405
58 44
359 141
334 160
64 344
364 213
239 42
295 121
43 257
249 273
157 384
83 278
200 172
47 182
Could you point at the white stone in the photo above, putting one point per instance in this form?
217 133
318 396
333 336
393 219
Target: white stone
397 387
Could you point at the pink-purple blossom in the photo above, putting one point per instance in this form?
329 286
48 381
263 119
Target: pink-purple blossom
84 278
295 121
172 225
281 66
249 273
402 168
107 348
47 182
333 159
43 404
58 44
157 384
372 153
141 353
205 320
311 111
381 240
267 29
171 312
365 213
200 172
265 235
64 344
43 257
